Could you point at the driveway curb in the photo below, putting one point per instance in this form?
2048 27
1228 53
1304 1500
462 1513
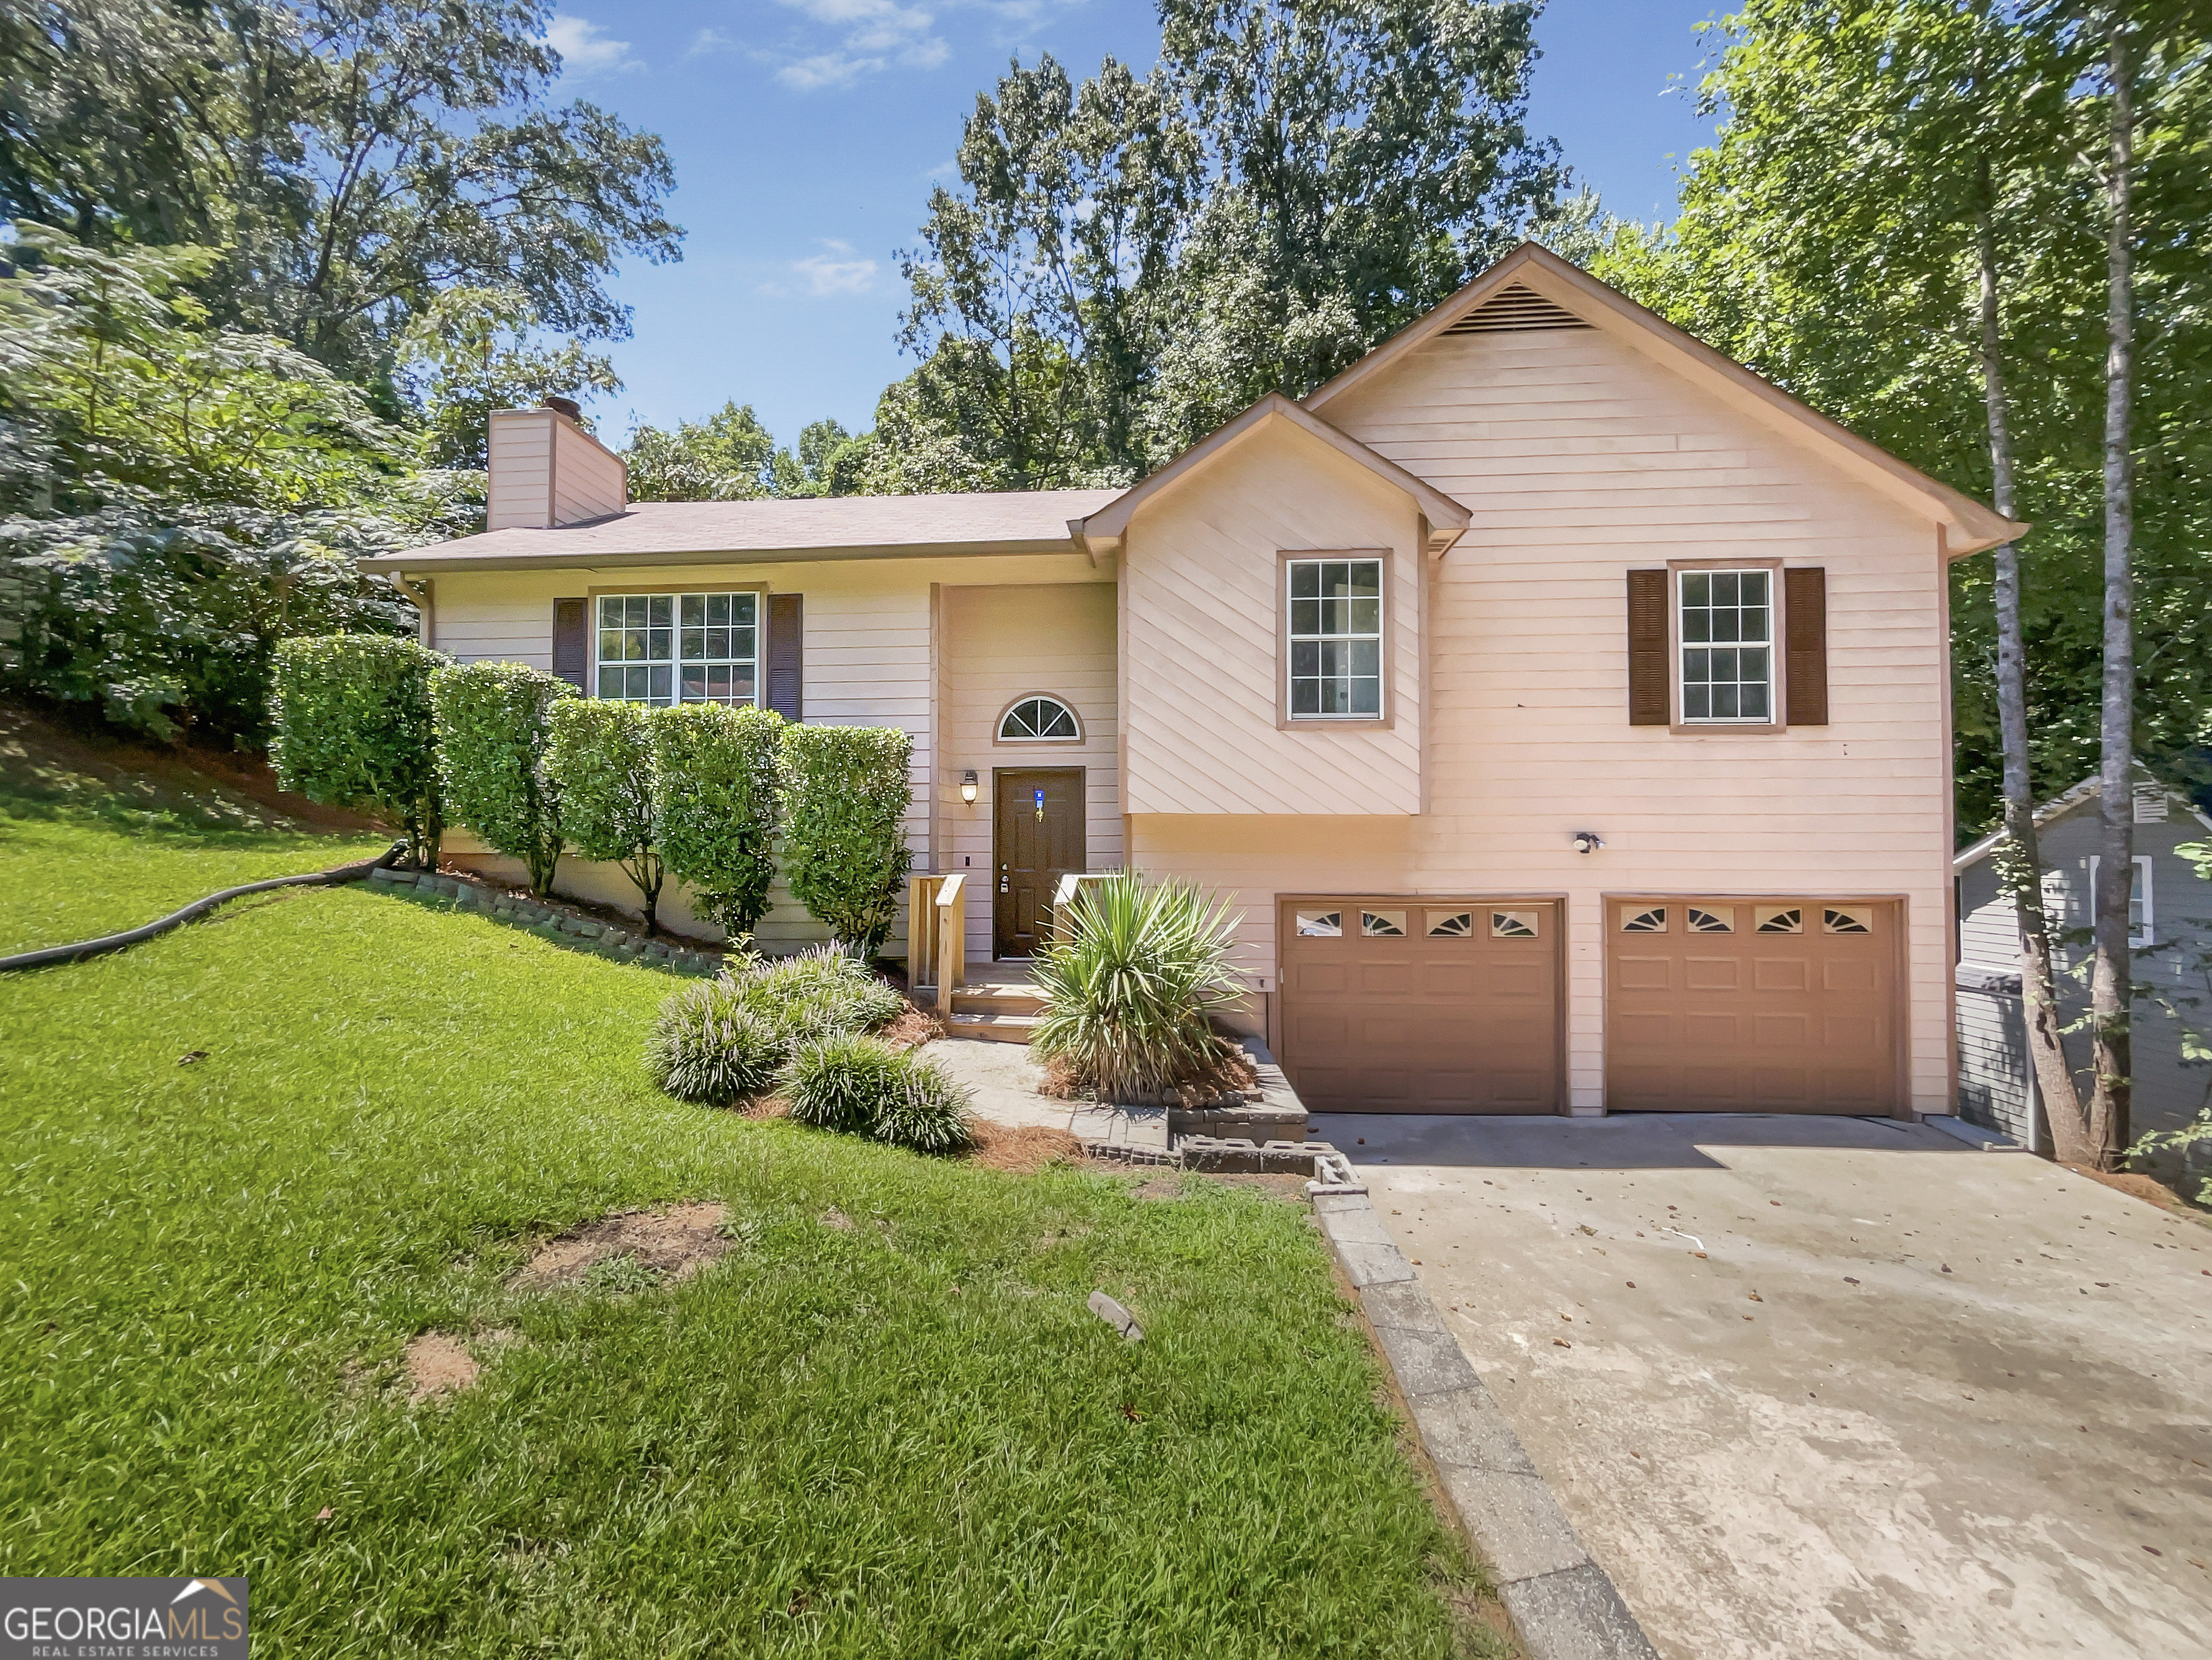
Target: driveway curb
1563 1604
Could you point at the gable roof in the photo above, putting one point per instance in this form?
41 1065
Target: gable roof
827 528
2089 789
1445 519
1969 526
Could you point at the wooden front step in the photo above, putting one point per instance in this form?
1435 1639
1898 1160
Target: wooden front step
995 1027
1001 997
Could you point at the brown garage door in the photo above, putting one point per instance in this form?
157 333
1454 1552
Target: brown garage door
1421 1005
1752 1005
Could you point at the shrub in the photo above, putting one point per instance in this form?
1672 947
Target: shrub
493 729
714 772
731 1038
863 1086
601 761
1131 982
846 795
354 728
709 1045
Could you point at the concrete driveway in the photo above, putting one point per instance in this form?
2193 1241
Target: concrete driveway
1831 1387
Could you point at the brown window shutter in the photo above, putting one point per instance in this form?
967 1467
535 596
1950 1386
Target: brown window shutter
1805 634
1650 697
571 642
786 653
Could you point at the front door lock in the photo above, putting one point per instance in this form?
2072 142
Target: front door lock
1003 888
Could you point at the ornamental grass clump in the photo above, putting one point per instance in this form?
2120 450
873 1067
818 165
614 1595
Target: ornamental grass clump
733 1039
862 1087
1132 981
708 1045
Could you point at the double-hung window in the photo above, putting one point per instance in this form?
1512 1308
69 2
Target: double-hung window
1336 639
1726 631
679 647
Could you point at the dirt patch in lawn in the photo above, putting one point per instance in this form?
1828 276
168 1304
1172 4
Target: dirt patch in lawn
439 1364
1022 1149
670 1244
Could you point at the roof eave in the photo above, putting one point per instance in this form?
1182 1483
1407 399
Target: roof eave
429 561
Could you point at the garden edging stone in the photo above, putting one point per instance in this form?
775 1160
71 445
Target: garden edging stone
549 922
1565 1606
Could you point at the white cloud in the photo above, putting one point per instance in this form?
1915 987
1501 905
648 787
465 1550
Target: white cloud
584 50
875 34
831 274
708 41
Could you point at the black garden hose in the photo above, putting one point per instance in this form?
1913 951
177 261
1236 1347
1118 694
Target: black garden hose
84 948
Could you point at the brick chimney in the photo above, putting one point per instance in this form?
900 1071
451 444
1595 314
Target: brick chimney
547 471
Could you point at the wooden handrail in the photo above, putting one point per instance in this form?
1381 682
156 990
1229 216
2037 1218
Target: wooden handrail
937 935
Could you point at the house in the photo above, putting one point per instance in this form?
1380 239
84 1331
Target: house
1563 708
2170 927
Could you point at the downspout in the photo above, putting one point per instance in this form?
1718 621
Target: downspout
419 597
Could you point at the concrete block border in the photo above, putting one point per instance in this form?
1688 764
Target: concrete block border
1563 1605
565 927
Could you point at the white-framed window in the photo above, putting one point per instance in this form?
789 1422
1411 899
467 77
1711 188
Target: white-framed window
1725 624
679 647
1039 720
2142 917
1336 639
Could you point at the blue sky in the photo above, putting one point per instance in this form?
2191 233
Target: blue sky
806 134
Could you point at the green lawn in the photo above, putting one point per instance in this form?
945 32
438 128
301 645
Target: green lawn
78 860
907 1436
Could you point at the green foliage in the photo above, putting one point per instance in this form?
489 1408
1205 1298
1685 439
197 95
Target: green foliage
863 1086
600 760
728 457
492 730
730 1039
846 796
1829 238
351 159
1131 980
714 776
1130 261
710 1044
471 351
355 728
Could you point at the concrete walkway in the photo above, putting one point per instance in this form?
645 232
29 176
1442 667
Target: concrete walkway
1003 1083
1831 1387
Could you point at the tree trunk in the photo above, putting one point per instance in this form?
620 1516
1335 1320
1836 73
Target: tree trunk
2022 867
2112 984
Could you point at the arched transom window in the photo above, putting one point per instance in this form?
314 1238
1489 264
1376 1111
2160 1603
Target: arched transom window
1039 720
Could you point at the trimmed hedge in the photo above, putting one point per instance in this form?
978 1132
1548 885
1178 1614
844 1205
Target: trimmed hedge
492 731
845 795
600 759
714 779
354 728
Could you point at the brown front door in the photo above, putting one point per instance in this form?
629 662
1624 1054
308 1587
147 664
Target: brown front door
1722 1004
1405 1005
1038 839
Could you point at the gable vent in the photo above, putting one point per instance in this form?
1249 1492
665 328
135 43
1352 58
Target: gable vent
1514 308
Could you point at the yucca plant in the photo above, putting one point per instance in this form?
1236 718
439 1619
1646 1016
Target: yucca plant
1132 980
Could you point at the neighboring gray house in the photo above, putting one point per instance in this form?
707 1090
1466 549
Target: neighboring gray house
2172 932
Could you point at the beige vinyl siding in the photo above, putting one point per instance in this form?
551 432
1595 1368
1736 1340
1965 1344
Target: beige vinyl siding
588 483
867 662
521 455
1204 640
1581 458
1000 643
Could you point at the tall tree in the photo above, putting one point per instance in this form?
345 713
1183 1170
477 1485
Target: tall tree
1131 261
350 157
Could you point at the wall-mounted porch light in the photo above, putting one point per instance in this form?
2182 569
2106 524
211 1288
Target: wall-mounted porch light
1587 840
968 786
